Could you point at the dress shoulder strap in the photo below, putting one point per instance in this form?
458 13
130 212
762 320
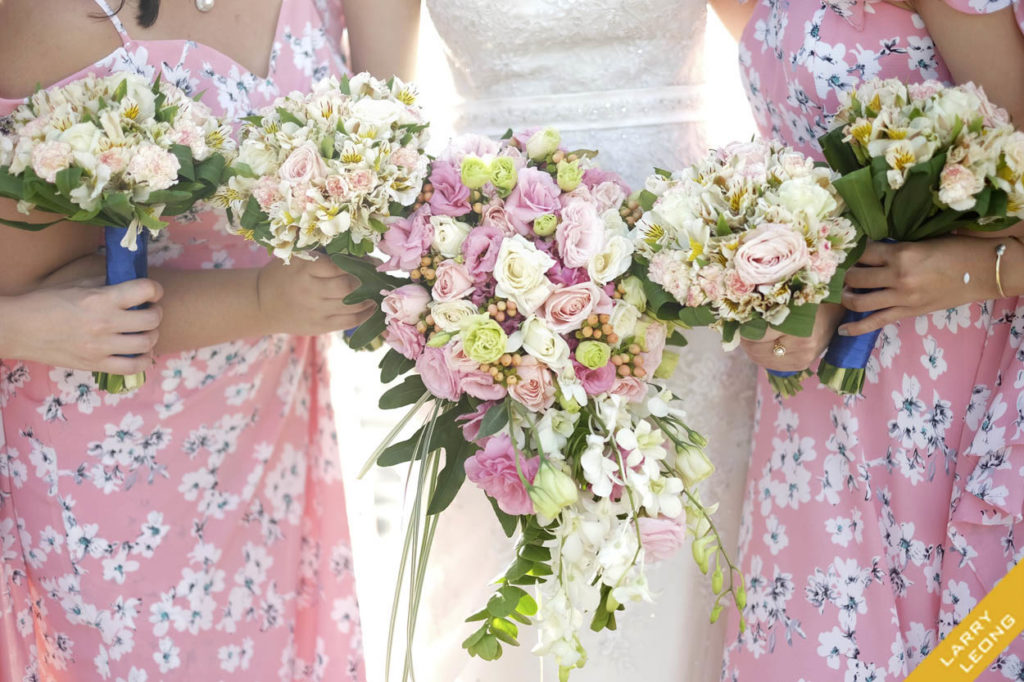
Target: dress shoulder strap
115 20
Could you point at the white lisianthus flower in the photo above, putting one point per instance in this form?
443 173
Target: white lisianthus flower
449 235
450 315
541 342
520 274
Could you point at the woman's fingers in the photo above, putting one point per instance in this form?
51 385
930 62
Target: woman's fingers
869 301
131 321
876 253
122 365
135 292
869 277
876 321
133 344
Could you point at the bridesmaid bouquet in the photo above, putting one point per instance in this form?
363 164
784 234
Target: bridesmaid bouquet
753 236
521 326
323 171
118 152
919 161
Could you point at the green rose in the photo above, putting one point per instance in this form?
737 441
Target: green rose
552 490
634 292
475 173
543 144
483 340
544 226
570 175
593 354
504 175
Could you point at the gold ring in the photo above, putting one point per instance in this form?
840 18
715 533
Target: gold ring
778 350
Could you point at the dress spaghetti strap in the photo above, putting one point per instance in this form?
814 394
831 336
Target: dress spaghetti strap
116 20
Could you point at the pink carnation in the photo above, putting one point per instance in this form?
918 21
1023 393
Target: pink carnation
493 469
266 192
49 158
481 250
154 166
406 240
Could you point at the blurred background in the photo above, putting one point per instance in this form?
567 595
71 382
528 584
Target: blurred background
375 502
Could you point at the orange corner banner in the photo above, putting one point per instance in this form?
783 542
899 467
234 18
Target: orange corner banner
980 637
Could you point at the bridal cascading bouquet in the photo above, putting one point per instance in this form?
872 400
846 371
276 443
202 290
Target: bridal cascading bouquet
322 171
751 237
919 161
117 152
533 353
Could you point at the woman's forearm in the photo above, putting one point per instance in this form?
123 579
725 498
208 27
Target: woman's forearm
368 20
207 307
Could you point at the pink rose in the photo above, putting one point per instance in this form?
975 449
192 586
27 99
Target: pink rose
266 192
608 195
661 537
404 338
49 158
457 359
534 387
438 377
481 250
494 216
493 469
450 197
453 282
568 307
481 385
406 304
630 387
406 240
595 381
536 194
770 254
580 235
303 165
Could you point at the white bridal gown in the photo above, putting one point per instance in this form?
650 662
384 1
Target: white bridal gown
624 77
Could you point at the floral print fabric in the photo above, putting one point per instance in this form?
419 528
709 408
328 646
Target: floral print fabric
874 524
197 527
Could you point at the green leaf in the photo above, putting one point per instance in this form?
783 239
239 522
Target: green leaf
487 648
120 91
865 207
371 281
69 179
118 206
722 228
505 630
474 638
11 186
536 553
504 602
647 199
494 421
288 117
406 393
700 316
184 155
31 227
754 329
368 331
914 201
345 85
839 154
394 365
507 521
451 477
800 321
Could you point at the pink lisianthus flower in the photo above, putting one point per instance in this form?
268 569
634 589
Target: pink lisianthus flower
580 235
440 379
406 240
480 250
405 339
493 469
595 381
535 194
450 197
592 177
471 422
481 385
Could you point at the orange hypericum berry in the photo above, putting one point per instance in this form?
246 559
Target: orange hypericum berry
634 349
605 318
506 360
639 372
587 332
624 370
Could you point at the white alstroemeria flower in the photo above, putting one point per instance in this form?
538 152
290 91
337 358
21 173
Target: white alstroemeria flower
600 471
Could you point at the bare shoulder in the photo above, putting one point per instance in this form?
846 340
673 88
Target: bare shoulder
44 41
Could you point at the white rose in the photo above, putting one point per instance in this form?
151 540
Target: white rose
450 315
624 318
613 260
541 342
380 113
1013 152
449 235
303 165
519 273
799 196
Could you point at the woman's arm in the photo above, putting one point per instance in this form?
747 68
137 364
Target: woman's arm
383 36
734 14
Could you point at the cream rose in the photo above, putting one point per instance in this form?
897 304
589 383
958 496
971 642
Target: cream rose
568 307
520 274
449 234
809 198
303 165
613 260
624 319
540 341
450 315
770 254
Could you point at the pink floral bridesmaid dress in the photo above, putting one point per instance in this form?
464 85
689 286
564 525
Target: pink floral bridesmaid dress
873 525
196 529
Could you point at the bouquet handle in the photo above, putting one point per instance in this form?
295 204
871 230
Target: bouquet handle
787 384
124 265
844 365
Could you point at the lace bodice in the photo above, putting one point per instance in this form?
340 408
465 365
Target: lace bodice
617 75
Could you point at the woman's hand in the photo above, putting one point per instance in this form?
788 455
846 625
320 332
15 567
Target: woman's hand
307 297
800 352
915 278
83 326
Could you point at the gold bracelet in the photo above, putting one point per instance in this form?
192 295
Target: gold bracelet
1000 250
